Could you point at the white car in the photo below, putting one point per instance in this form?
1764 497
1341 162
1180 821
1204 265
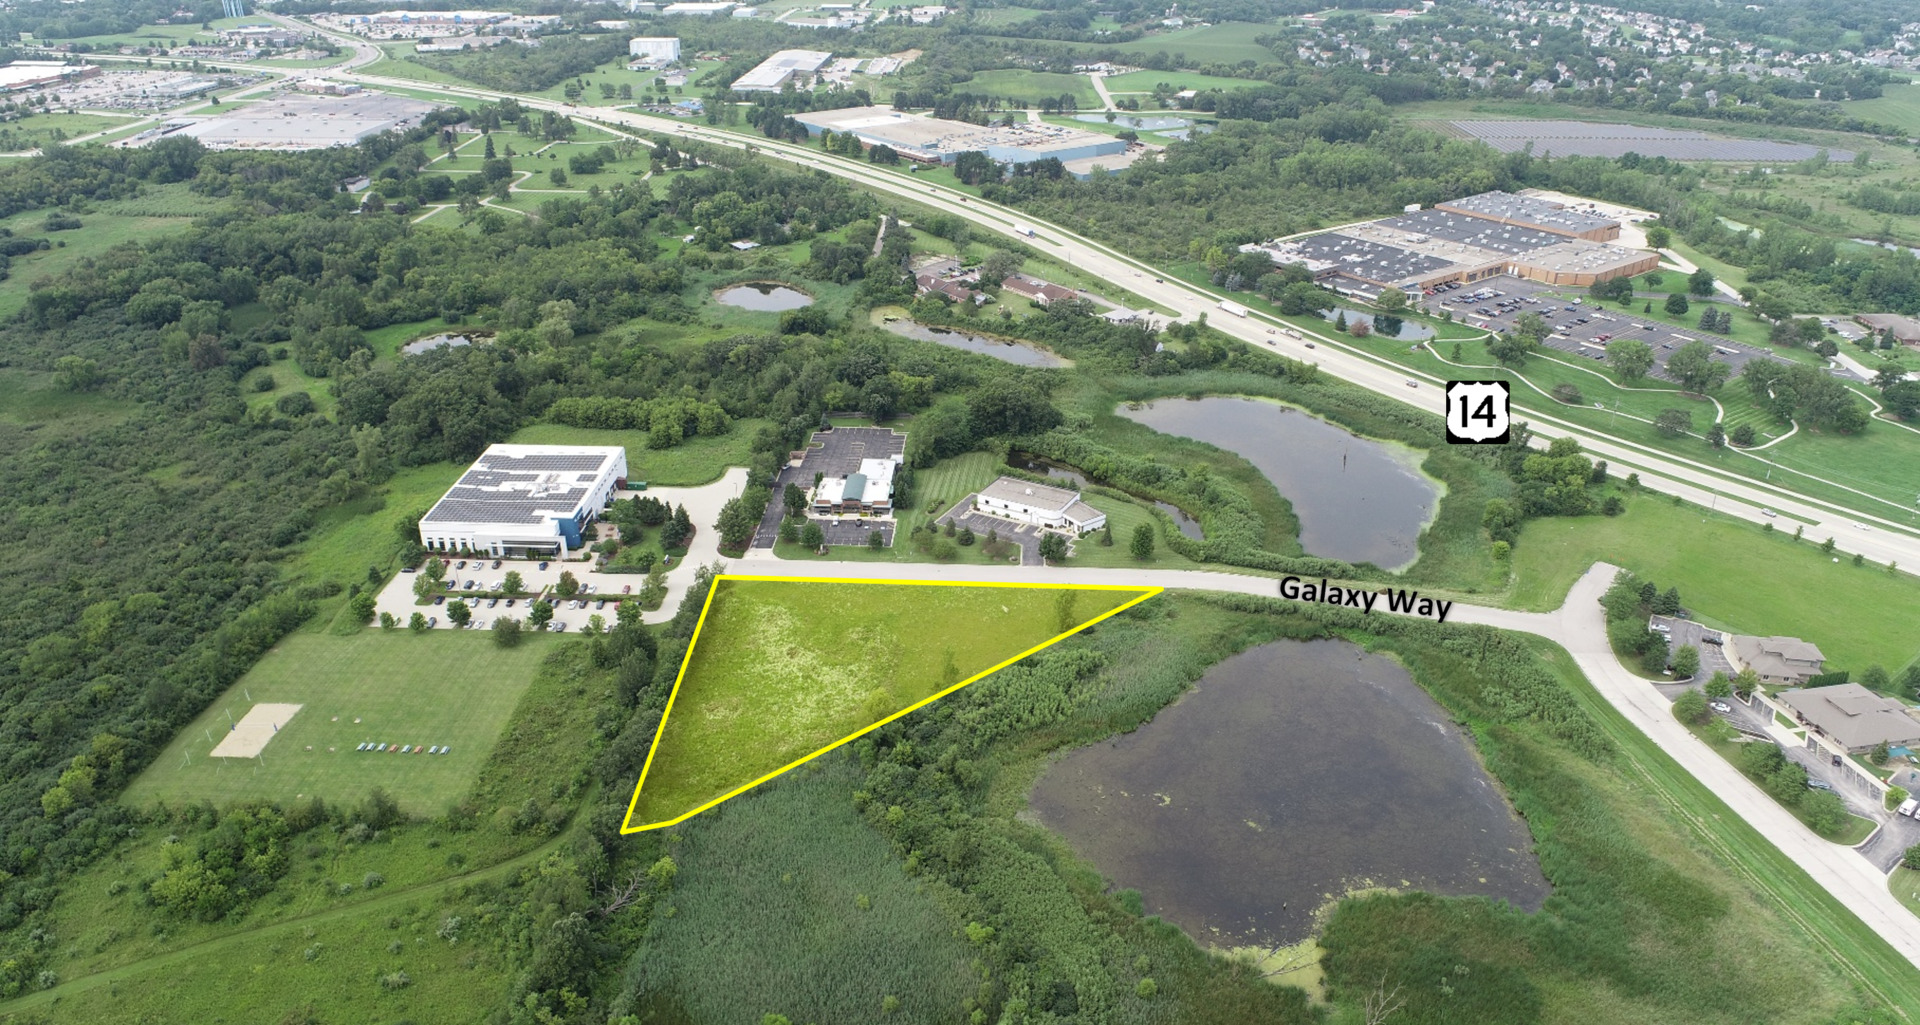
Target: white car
1768 512
1720 706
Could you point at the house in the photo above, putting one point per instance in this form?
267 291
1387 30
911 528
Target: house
1038 504
1906 330
1787 660
1035 289
868 490
1852 717
950 288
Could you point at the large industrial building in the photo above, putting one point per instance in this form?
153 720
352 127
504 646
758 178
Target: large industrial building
665 49
1466 240
21 75
525 500
772 74
934 140
301 122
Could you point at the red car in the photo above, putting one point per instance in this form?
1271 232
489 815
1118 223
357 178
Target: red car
626 589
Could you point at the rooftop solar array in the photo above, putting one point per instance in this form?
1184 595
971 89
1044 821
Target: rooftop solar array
1530 210
1370 261
1480 232
509 487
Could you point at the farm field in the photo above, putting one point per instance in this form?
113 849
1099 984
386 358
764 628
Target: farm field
1145 81
1033 87
1896 105
1732 576
1225 43
781 670
437 687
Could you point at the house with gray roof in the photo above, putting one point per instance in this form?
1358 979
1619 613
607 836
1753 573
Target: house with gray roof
1852 717
1778 660
1038 504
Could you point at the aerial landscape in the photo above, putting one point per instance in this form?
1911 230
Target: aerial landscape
1007 511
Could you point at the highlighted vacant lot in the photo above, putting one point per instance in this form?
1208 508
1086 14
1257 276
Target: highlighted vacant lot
438 688
783 670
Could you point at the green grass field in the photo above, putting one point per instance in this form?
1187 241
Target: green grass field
1031 87
439 687
697 460
1145 81
1227 43
1905 885
1732 576
1897 105
780 670
159 208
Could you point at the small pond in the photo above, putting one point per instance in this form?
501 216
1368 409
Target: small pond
764 296
431 342
1186 133
1189 526
1292 771
1399 328
1357 499
1003 349
1136 122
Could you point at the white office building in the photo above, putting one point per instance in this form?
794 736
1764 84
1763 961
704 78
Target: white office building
1038 504
665 49
776 71
525 500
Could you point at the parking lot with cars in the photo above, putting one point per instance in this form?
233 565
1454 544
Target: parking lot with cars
599 592
1711 644
1578 326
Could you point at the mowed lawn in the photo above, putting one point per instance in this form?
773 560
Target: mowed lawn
782 669
1732 576
434 688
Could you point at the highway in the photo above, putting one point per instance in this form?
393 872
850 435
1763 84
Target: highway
1880 536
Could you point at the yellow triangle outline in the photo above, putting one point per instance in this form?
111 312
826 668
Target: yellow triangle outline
627 826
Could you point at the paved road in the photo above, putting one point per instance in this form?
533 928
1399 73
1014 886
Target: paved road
1579 626
1695 481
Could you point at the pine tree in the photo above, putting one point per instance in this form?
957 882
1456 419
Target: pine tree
1106 535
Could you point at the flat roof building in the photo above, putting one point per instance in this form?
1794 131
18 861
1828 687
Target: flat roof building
772 74
525 500
702 9
294 122
660 48
1038 504
935 140
866 490
1534 212
1853 717
33 74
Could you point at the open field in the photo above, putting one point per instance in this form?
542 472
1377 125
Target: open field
38 130
438 687
1897 105
1145 81
1031 87
1225 43
697 460
781 670
1732 576
157 209
1905 884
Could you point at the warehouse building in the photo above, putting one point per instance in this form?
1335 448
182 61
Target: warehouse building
933 140
772 74
34 74
1533 212
868 490
1038 504
525 500
665 49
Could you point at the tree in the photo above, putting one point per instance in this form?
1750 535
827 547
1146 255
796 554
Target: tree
1742 435
1676 305
362 607
1700 283
965 538
812 537
683 527
1745 681
1694 367
1659 237
1826 813
418 624
794 498
1719 686
1512 347
1690 706
513 584
1880 753
506 632
77 373
558 176
1876 678
1673 423
1717 435
569 585
1630 357
1392 300
1826 547
789 533
1142 545
458 612
876 540
1911 859
998 266
1053 547
1686 661
538 614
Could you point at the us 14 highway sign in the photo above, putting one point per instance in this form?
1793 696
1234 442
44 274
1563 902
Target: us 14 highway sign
1479 412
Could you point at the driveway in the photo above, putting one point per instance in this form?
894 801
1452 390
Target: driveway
1713 655
835 453
1025 535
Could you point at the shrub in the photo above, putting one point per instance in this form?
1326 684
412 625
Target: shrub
1690 706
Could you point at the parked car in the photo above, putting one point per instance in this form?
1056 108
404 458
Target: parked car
509 603
626 589
543 565
1720 706
1820 784
493 603
439 599
461 565
560 627
496 564
433 621
601 604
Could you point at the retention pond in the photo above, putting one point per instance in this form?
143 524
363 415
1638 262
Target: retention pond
763 296
1005 350
1291 774
1359 500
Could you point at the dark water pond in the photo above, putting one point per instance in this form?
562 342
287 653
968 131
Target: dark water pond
1398 328
1357 499
1135 121
1291 773
1189 526
764 296
1002 349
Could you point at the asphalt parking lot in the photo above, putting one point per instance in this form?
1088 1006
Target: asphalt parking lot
835 453
1026 535
1713 654
1580 326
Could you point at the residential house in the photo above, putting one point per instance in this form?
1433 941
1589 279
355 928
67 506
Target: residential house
1035 289
1852 717
1777 660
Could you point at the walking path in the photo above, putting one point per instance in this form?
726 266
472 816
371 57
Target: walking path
1100 86
1579 626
